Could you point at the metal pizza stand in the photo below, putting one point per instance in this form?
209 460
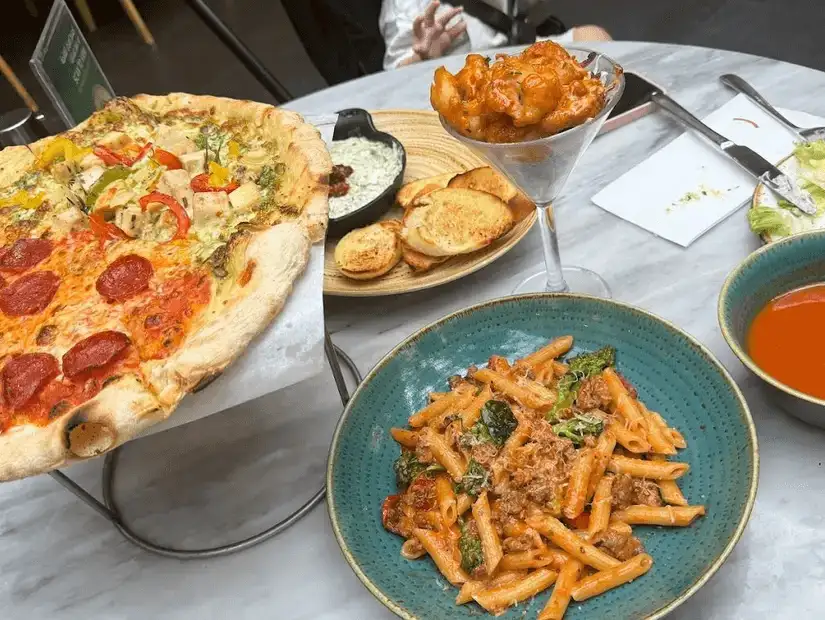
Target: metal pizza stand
291 350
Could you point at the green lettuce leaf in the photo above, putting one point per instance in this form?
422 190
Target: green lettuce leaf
769 221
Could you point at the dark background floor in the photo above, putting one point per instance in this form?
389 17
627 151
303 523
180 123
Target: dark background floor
189 58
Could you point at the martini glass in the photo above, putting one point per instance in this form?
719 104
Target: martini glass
540 168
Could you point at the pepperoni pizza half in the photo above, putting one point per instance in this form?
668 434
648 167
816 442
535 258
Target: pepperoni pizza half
140 253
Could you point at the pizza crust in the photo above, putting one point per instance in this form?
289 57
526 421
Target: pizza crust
118 413
281 254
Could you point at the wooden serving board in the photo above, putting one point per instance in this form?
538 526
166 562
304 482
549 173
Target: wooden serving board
430 151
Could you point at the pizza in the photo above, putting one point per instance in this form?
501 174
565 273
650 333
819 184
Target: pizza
140 253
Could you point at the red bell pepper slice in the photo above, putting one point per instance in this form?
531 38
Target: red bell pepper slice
175 207
104 230
110 158
165 158
200 183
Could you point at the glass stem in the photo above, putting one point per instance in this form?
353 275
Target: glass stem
550 247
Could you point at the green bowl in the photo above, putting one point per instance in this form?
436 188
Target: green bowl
673 373
773 269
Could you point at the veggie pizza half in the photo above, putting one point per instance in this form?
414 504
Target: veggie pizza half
140 253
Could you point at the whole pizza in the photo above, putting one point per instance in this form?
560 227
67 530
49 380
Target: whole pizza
140 253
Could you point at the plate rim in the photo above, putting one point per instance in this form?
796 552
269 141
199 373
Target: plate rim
659 613
527 223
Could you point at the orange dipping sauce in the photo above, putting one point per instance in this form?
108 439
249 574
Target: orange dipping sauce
787 339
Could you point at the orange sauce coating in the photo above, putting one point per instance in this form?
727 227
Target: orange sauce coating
787 339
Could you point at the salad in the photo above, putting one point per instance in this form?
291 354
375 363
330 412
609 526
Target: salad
774 218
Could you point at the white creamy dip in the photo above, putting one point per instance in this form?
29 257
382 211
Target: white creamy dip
374 167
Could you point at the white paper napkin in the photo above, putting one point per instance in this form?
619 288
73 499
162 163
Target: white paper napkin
687 187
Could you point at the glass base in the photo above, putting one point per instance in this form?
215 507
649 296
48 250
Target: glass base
579 280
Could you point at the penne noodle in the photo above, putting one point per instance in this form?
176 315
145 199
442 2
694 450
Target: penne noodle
562 591
434 396
652 470
672 434
551 350
622 402
632 441
617 526
408 439
560 368
500 597
433 410
445 497
456 407
412 549
576 495
443 554
465 595
557 557
603 581
527 397
572 544
443 453
659 442
669 490
490 543
521 560
463 503
676 516
603 451
600 508
472 412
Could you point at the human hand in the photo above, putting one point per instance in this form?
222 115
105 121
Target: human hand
431 36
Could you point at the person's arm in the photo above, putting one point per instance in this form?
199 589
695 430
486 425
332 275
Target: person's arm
427 36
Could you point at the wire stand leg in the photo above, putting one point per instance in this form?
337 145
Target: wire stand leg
109 509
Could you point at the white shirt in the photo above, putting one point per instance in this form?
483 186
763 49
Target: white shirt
396 25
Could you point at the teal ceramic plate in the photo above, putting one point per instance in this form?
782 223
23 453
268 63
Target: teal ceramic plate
673 373
782 266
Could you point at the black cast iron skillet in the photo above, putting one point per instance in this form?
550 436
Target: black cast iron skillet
354 123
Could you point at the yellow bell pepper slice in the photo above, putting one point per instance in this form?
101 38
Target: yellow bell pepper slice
24 200
61 148
218 175
234 149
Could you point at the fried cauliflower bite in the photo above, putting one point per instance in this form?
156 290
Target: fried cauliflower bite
537 93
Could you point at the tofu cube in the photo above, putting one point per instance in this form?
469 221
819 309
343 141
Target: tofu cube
194 163
114 140
208 207
173 140
175 183
246 197
131 220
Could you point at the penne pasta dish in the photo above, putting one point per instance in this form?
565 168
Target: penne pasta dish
532 474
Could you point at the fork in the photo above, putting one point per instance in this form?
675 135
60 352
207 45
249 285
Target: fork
737 83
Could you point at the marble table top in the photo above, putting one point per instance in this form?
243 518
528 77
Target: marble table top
230 475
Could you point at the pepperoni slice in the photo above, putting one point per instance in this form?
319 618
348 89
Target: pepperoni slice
24 254
125 277
2 282
94 352
25 375
29 294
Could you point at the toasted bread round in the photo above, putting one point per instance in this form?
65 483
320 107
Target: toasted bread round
421 187
488 180
448 222
485 179
419 262
370 252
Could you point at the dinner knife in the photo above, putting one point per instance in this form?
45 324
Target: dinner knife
748 159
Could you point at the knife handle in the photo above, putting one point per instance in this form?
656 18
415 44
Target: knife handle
687 118
738 84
